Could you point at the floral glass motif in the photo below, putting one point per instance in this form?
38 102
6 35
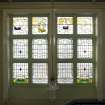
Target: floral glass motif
65 73
84 25
40 73
64 25
39 49
84 48
20 48
20 25
84 73
65 48
20 73
39 25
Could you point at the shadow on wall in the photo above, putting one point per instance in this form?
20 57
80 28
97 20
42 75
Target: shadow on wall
86 102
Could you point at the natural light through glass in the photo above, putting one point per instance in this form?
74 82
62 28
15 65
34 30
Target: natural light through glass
20 73
20 26
84 73
64 25
39 25
40 73
84 48
52 49
65 73
65 48
20 48
39 49
84 25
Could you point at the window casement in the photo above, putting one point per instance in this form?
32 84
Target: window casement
64 55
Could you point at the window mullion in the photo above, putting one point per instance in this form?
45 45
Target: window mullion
94 46
54 47
75 49
11 60
11 51
30 50
50 47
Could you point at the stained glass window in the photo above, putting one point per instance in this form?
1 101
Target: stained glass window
38 55
64 25
40 73
39 49
84 73
84 48
39 25
20 48
20 25
20 73
65 48
84 25
65 73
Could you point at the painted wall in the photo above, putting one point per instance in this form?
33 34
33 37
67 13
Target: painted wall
42 95
52 0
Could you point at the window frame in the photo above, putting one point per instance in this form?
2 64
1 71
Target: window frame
29 37
75 37
52 39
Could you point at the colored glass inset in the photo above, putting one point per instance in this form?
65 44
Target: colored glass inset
20 73
64 25
39 25
84 73
20 25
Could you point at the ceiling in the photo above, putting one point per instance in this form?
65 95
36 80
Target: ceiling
52 0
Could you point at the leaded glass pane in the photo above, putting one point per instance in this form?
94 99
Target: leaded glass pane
84 25
40 73
20 25
39 25
84 48
64 25
20 73
84 73
39 48
20 48
65 48
65 73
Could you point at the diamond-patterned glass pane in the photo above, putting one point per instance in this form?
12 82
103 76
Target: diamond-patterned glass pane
64 25
20 73
65 48
84 25
39 49
84 73
84 48
65 73
39 25
40 73
20 48
20 25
